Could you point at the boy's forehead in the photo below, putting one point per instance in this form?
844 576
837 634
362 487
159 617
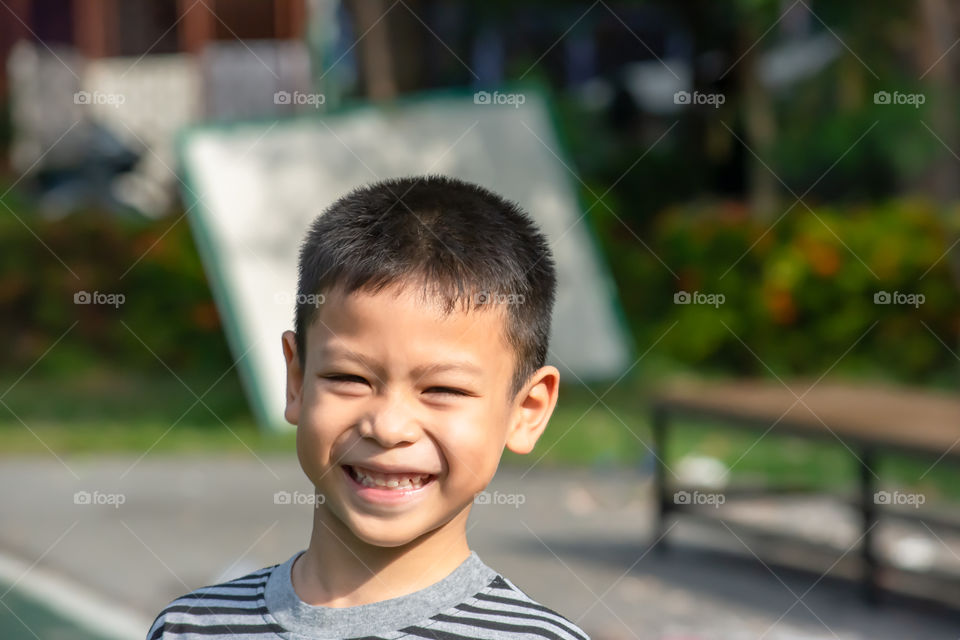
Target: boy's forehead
415 297
410 303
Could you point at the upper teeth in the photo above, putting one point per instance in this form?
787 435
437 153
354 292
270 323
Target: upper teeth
392 480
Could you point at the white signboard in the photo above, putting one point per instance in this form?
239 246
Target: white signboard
253 189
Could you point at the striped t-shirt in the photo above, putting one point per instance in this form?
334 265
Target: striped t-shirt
473 602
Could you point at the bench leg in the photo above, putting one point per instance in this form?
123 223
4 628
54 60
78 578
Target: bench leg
662 497
868 515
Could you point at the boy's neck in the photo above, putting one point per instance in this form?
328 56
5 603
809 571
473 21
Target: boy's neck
340 570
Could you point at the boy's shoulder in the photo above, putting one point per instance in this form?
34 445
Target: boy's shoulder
229 608
516 615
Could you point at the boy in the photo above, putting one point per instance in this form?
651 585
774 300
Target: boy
421 331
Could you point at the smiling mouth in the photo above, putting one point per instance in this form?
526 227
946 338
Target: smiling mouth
394 481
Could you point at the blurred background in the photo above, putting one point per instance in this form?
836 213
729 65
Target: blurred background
773 187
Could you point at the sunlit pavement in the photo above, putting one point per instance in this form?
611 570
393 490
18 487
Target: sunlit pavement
577 540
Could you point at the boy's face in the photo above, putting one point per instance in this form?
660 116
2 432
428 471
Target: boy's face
376 395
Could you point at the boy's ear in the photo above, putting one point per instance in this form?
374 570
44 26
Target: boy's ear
294 378
535 404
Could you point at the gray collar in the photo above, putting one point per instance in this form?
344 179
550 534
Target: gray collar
311 621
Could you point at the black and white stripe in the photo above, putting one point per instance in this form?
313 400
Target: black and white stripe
230 609
500 611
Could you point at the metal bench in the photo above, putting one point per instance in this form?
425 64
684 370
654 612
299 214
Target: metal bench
868 419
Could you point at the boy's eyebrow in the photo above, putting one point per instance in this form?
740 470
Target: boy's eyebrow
462 365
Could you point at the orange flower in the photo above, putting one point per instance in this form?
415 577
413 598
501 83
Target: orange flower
205 316
823 258
779 303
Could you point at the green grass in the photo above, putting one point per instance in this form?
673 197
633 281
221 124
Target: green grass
98 411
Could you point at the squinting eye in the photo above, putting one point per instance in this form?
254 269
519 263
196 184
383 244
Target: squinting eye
447 391
346 378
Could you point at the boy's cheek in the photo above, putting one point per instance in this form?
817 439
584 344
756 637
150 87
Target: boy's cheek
472 468
314 450
307 453
477 442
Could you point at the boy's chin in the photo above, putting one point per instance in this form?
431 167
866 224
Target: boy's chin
386 533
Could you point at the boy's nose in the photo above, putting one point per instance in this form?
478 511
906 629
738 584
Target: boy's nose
391 423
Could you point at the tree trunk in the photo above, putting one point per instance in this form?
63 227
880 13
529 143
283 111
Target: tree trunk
936 27
390 46
375 60
760 129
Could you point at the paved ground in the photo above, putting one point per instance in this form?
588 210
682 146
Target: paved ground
579 543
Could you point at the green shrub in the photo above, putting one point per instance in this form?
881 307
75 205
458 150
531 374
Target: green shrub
153 264
799 292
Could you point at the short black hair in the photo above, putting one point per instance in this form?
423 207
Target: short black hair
459 241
